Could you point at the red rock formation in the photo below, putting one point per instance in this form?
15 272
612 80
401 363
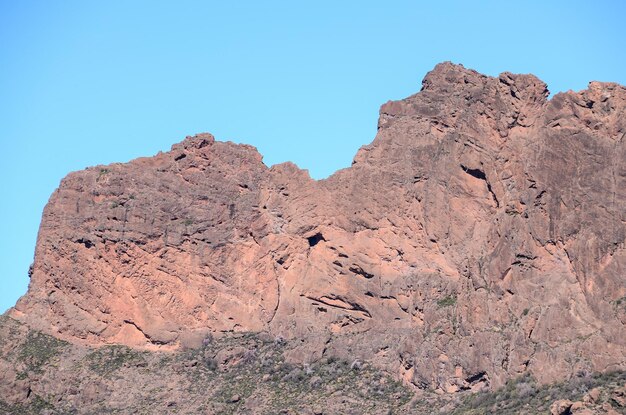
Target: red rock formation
479 236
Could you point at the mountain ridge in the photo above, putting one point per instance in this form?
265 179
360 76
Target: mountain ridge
479 237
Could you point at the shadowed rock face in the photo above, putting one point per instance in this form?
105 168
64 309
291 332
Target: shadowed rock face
479 236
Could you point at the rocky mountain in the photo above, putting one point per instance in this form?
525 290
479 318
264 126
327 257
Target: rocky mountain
478 239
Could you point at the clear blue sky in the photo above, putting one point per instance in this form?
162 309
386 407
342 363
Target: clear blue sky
93 82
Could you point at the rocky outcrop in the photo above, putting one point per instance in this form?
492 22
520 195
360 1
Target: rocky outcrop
480 236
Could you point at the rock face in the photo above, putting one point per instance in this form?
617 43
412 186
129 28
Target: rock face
478 237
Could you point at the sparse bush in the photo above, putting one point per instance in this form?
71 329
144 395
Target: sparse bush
285 367
211 363
38 349
620 302
331 359
356 365
248 356
482 399
296 375
208 339
315 382
524 389
447 301
108 359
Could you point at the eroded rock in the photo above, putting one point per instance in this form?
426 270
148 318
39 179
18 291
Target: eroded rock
485 223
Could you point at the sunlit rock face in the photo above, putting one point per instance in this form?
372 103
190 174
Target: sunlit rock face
479 236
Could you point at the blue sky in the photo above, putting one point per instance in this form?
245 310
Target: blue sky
94 82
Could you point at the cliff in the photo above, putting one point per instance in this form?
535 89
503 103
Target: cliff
478 238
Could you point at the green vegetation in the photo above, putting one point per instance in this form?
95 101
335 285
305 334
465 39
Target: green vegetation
37 350
108 359
524 395
254 367
447 301
36 405
620 302
238 372
102 173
